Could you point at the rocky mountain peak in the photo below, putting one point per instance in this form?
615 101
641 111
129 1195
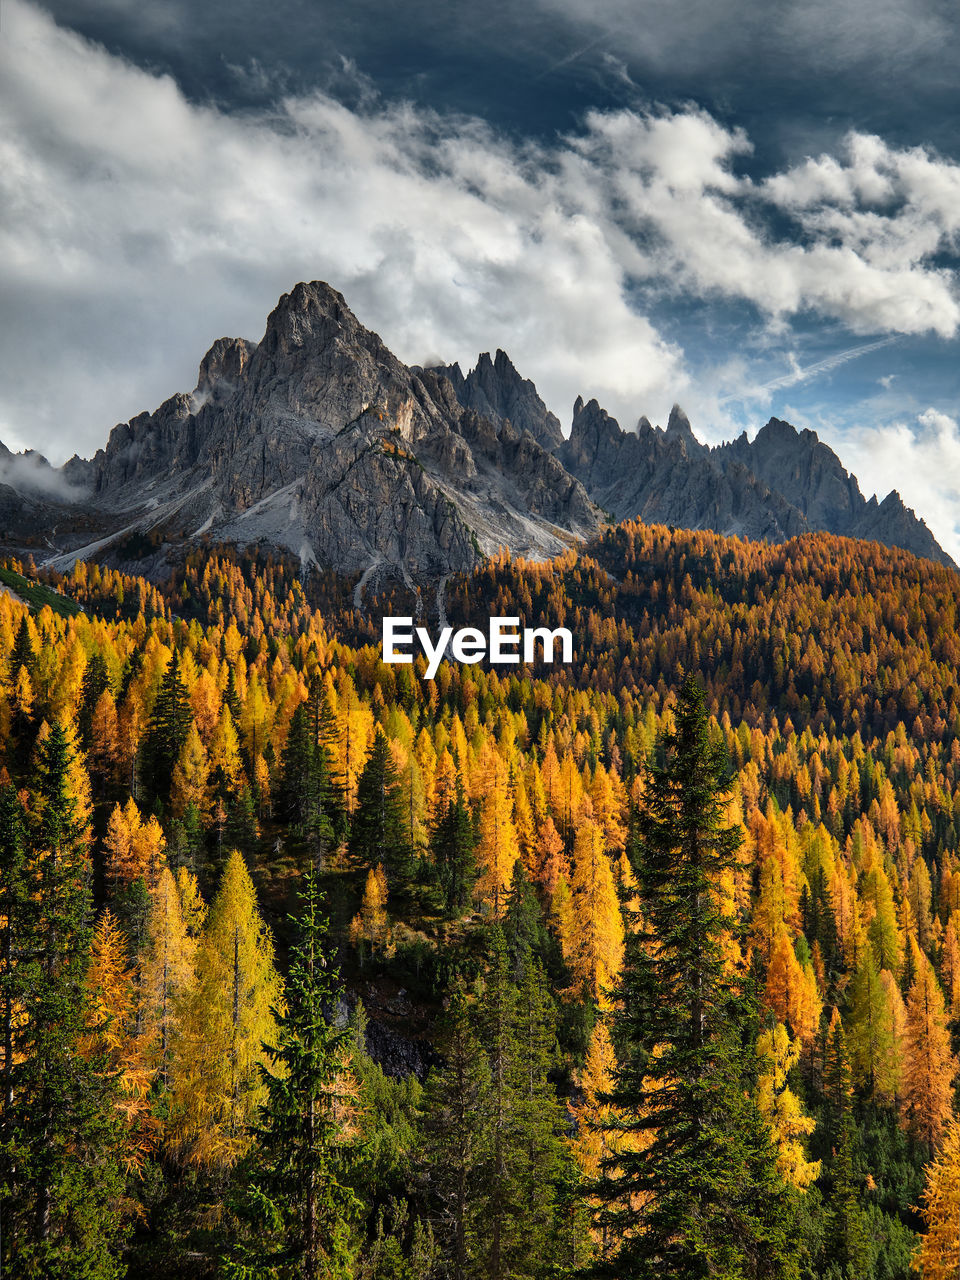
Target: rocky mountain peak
678 424
319 440
495 390
223 366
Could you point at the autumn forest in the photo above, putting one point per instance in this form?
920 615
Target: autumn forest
646 965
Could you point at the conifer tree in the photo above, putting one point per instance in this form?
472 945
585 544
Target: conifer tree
188 784
60 1135
938 1251
781 1107
379 830
301 1210
502 1192
704 1197
167 732
168 972
870 1039
96 681
215 1080
452 846
846 1241
455 1115
307 796
113 1041
539 1157
371 923
929 1065
523 926
498 847
598 939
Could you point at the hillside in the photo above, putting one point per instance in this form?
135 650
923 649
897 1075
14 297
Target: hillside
473 830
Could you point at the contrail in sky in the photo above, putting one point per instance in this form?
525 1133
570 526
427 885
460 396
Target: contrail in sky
798 374
571 57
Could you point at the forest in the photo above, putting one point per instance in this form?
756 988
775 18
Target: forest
648 964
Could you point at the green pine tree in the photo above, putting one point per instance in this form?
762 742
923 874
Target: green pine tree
297 1202
61 1181
541 1163
308 797
166 733
452 847
523 925
846 1247
693 1189
380 830
456 1105
96 679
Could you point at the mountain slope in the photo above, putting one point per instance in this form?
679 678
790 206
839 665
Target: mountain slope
781 484
318 440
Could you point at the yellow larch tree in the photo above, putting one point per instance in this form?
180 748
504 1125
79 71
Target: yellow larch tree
597 953
950 962
132 848
215 1081
552 862
781 1108
937 1256
609 804
791 989
103 757
929 1066
370 923
499 848
223 755
189 782
167 971
114 1039
193 909
893 1069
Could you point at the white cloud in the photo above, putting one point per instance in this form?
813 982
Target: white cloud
924 457
137 227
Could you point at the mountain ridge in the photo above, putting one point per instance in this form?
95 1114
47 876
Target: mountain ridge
319 441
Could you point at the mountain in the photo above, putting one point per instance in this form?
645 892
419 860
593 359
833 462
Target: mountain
320 441
668 477
496 391
783 483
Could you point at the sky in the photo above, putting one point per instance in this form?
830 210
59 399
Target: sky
750 208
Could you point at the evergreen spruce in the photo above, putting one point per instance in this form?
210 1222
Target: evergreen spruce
96 680
22 654
380 829
693 1190
455 1116
452 846
523 926
167 732
61 1182
298 1202
846 1248
308 797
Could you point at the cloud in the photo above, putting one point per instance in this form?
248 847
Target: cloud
924 456
31 473
138 227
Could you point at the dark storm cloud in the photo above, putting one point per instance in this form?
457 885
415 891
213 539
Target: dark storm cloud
796 75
